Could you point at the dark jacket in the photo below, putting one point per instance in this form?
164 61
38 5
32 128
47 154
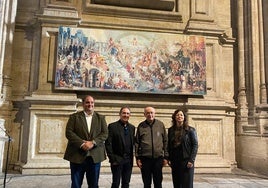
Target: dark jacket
189 144
115 145
77 131
151 140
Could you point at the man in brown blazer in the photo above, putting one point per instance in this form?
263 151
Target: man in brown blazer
86 132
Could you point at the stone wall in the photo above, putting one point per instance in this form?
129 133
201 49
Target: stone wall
43 112
39 113
251 118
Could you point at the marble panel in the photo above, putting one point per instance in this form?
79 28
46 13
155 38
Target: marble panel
51 136
210 136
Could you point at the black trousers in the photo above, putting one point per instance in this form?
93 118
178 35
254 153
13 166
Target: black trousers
124 171
152 169
182 176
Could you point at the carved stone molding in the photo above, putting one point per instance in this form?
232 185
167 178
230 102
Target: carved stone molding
125 12
61 15
250 129
226 40
144 4
62 2
202 19
202 27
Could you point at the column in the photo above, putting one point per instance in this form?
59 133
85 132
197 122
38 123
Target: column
7 24
263 89
242 101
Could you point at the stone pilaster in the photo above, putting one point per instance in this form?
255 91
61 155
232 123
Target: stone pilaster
242 110
263 87
7 25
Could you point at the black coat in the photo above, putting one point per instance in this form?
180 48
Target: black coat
115 145
189 144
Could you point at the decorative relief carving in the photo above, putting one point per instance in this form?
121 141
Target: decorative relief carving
51 134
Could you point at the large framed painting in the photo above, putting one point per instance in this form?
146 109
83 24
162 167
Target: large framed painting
130 61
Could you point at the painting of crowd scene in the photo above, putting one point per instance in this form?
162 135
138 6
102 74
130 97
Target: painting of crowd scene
130 61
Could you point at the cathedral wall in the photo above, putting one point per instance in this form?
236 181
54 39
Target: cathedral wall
40 112
252 154
251 121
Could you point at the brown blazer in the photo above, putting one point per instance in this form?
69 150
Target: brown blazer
77 131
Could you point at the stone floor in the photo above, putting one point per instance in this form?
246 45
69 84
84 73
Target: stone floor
238 179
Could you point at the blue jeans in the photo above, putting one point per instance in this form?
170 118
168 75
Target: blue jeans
91 169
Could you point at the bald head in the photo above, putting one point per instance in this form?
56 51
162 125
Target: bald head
149 113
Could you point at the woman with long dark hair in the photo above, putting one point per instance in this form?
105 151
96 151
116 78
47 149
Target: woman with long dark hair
182 148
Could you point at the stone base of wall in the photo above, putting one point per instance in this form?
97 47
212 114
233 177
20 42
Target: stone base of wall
252 154
43 144
106 169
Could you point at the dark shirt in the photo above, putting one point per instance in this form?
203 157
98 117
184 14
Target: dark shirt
127 143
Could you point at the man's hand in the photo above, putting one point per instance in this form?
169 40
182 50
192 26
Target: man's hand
190 165
139 163
165 162
88 145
